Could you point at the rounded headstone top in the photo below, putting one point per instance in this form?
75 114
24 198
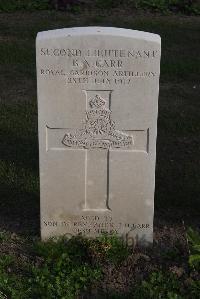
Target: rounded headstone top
91 30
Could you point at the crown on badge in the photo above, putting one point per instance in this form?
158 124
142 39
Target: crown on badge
97 102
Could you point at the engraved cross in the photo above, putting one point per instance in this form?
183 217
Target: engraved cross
99 138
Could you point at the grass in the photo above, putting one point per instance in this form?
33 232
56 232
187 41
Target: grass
177 179
71 269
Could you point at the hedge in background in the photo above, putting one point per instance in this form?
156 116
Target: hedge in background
184 6
165 6
14 5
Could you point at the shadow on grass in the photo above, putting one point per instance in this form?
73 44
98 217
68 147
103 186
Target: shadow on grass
19 174
19 210
177 170
20 150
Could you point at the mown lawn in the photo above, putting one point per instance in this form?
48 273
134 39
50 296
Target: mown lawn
177 173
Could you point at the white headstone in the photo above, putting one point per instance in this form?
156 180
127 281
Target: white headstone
97 101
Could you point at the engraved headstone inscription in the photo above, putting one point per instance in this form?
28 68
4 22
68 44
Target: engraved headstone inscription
97 115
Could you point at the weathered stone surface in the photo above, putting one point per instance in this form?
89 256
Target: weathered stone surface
97 102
